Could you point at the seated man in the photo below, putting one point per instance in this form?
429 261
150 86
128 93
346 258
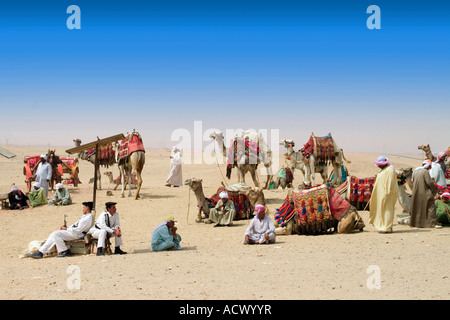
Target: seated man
443 209
165 236
261 229
61 197
224 212
17 199
108 225
77 231
37 196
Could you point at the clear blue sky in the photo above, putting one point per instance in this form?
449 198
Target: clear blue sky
290 65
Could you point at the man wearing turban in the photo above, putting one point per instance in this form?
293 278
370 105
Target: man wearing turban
44 173
224 211
384 196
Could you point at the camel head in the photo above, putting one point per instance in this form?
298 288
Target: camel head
287 143
425 148
216 135
77 142
255 195
193 183
406 173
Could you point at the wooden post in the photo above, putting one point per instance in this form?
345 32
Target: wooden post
95 175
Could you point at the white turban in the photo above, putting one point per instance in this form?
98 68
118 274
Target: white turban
223 195
426 164
59 185
43 156
14 188
36 184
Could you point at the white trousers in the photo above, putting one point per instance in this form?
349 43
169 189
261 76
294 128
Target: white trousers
57 238
100 234
260 237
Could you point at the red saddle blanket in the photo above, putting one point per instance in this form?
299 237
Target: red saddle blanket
361 191
241 202
131 143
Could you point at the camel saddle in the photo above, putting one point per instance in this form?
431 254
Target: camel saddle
131 143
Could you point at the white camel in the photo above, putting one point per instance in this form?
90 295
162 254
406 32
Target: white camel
249 163
311 166
296 160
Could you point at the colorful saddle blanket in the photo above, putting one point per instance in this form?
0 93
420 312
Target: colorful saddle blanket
241 202
313 211
338 205
321 147
106 155
240 147
285 213
361 191
131 143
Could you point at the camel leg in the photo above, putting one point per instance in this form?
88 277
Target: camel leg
122 179
255 178
99 179
129 181
139 179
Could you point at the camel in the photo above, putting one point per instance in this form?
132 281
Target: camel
404 198
133 162
109 174
429 154
296 160
248 164
310 165
82 155
350 222
254 194
427 150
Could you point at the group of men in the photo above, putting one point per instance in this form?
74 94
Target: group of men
106 226
426 211
39 191
18 200
261 230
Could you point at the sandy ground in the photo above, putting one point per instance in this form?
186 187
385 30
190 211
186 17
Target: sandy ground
412 263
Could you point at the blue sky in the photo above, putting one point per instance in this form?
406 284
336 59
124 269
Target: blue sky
290 65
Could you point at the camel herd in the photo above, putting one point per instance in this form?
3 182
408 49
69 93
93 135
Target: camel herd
248 162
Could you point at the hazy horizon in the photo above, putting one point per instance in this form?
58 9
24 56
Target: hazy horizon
158 66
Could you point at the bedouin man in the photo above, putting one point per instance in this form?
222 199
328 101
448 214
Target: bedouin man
165 236
61 197
223 213
108 225
77 231
261 229
37 195
44 173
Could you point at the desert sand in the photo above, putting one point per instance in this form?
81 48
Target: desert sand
214 264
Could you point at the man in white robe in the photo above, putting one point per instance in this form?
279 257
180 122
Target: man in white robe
75 232
261 229
44 173
175 176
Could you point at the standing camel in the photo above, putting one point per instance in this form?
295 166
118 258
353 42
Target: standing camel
311 163
88 156
248 163
132 161
296 160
